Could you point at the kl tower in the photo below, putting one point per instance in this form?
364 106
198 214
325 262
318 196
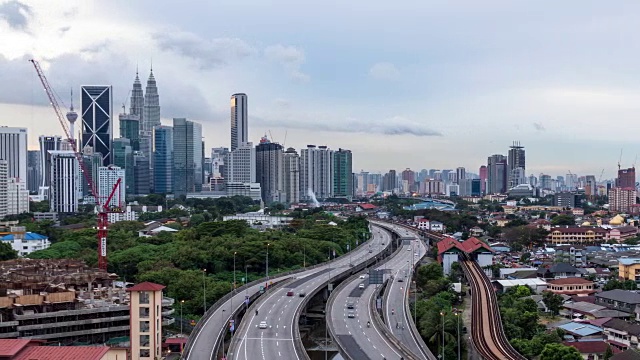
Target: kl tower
72 116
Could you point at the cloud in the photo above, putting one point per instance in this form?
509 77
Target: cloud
396 125
384 71
208 54
16 14
538 126
290 57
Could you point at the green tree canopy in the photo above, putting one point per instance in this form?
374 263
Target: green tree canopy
560 352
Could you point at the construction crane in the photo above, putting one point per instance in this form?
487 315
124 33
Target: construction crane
602 173
104 208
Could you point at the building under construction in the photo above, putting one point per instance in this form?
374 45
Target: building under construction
61 301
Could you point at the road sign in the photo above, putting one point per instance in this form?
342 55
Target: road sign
376 276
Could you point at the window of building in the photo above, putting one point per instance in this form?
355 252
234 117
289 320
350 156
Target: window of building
144 353
144 326
144 340
144 312
144 297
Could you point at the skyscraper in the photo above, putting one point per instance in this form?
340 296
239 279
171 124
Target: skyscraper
516 161
13 149
342 174
187 156
151 108
461 174
34 170
626 178
130 129
390 181
97 122
217 161
163 159
141 173
123 158
66 188
107 178
497 174
239 120
291 175
4 188
316 172
47 143
269 170
240 164
136 104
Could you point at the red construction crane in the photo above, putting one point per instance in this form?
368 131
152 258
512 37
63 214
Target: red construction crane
103 207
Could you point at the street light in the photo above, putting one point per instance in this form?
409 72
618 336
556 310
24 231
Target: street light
181 319
458 313
268 264
442 313
204 291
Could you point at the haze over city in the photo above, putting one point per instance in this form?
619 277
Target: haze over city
435 84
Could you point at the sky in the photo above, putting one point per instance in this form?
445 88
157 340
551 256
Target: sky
417 84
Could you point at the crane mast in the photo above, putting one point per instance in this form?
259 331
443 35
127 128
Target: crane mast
103 207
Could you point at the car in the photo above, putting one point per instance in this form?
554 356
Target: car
263 325
361 276
361 286
290 293
416 254
351 314
302 294
350 305
408 249
400 280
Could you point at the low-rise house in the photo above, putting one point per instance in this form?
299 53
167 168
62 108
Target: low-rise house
630 354
154 228
622 233
581 330
573 255
621 334
622 300
629 269
571 286
476 231
537 285
590 350
559 270
24 243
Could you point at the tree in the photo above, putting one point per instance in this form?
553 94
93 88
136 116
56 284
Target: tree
525 235
617 284
560 352
7 252
563 219
608 353
552 301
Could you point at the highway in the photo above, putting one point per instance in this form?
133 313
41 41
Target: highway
352 334
278 310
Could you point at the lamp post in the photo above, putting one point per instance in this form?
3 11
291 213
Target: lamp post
458 314
181 319
204 291
442 313
268 264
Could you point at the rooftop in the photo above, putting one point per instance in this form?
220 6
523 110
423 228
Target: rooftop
621 325
589 347
569 281
626 296
146 286
62 353
27 236
10 347
581 329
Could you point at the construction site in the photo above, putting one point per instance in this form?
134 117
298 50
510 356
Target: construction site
62 301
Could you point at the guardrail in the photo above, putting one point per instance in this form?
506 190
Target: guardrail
212 309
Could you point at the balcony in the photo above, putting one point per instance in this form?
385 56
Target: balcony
167 312
168 321
167 301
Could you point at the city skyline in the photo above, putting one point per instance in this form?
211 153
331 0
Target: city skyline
480 87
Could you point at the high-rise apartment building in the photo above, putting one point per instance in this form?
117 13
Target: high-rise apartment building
621 199
239 120
291 176
107 178
390 181
13 149
187 156
516 160
123 158
130 129
47 143
163 159
497 174
34 170
590 185
342 174
4 188
545 181
626 178
17 196
240 164
97 122
316 172
461 174
66 186
270 170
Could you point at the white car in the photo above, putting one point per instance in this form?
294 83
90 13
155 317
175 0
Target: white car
263 325
361 286
361 276
409 249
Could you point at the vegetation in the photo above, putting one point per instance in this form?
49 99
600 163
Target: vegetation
203 252
617 284
560 352
7 252
524 236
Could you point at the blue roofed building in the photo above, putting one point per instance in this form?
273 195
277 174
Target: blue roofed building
580 330
26 242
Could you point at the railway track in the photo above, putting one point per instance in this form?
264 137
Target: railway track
486 325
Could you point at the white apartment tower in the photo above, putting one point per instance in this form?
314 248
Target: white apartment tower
4 179
240 164
291 176
66 184
13 149
239 120
17 196
107 177
316 172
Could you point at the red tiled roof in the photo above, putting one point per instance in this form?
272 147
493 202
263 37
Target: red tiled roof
367 206
588 347
577 229
472 244
62 353
10 347
569 280
447 244
176 340
146 286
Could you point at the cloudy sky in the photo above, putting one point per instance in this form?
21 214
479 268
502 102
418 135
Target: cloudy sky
420 84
